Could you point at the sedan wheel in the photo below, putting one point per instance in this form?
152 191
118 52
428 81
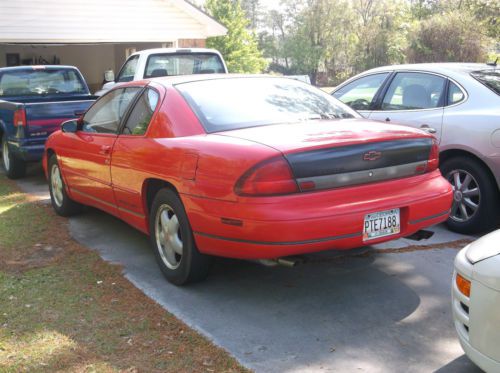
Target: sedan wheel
60 200
57 185
466 195
172 240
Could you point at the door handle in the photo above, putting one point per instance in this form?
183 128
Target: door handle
105 150
428 129
387 119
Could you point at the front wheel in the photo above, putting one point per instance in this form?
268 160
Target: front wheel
14 167
62 204
475 196
172 240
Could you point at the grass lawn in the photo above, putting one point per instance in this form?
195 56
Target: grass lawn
63 309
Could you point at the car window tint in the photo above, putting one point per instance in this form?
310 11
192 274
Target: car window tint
359 94
127 72
141 114
105 115
455 94
411 91
166 64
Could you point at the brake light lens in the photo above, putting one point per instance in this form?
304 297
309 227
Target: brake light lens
19 118
433 162
271 177
463 285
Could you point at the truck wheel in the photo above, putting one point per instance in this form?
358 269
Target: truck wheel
173 242
475 196
14 168
62 204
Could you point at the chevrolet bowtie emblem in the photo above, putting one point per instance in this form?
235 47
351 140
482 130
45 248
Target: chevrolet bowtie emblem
372 155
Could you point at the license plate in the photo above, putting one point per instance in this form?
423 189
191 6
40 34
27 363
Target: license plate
381 224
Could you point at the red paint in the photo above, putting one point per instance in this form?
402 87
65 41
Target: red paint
229 216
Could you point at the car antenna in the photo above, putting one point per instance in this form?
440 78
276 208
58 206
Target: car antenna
493 63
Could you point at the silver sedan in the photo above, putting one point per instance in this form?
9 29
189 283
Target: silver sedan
460 104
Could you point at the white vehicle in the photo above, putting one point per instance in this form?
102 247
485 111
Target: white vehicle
476 301
153 63
460 104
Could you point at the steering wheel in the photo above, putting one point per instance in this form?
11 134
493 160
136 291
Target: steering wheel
360 104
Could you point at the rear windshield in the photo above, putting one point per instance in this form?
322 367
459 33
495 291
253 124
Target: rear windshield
490 78
227 104
41 82
183 64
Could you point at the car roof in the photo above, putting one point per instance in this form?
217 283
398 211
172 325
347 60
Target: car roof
179 79
441 67
37 67
174 50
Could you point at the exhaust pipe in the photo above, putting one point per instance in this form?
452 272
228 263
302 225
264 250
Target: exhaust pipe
289 262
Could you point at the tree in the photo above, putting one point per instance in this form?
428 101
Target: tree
239 46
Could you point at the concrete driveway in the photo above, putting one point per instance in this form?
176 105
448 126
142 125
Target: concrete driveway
377 309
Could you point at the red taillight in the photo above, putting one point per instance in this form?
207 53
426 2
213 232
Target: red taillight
19 118
433 162
271 177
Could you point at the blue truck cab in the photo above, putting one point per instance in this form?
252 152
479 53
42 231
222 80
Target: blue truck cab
34 101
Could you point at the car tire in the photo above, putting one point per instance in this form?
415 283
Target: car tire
14 167
172 241
62 204
475 200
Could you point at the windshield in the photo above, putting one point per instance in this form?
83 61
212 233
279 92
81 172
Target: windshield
168 64
41 82
489 78
227 104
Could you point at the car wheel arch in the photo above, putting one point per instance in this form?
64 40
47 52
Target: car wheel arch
150 188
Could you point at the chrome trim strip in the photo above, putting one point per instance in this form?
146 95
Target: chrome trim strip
326 239
447 212
364 177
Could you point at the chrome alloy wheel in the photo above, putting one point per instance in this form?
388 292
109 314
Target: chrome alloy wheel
5 155
57 185
168 236
466 195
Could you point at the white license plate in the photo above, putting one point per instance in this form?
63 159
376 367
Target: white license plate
381 224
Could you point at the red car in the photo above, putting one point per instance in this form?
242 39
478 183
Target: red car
246 167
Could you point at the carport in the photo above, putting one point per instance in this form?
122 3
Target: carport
97 35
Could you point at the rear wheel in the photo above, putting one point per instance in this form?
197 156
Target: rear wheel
173 242
15 168
62 204
475 196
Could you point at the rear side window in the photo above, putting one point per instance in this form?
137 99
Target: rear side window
167 64
127 72
41 82
141 114
489 78
455 94
413 91
105 115
359 94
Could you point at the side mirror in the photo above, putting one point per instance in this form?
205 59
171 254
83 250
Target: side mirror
109 76
70 126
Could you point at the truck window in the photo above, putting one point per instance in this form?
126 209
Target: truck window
127 72
41 82
167 64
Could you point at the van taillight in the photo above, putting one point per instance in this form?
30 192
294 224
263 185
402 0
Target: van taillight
271 177
19 118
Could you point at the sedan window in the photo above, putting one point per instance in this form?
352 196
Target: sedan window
489 78
412 91
359 94
455 94
105 115
141 114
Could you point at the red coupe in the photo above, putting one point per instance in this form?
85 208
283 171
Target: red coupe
246 167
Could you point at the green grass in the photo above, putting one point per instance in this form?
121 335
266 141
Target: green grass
63 309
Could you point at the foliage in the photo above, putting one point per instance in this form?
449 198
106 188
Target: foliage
239 47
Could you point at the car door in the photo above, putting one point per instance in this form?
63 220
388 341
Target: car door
360 94
132 153
86 157
413 99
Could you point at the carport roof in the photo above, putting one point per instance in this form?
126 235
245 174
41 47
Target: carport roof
103 21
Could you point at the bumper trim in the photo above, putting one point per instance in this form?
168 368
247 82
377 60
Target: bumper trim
447 212
326 239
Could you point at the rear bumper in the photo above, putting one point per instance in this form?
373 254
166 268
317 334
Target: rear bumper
27 151
309 222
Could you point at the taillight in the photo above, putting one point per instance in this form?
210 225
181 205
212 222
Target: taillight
433 162
271 177
19 118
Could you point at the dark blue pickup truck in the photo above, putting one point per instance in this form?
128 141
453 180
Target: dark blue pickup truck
34 101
